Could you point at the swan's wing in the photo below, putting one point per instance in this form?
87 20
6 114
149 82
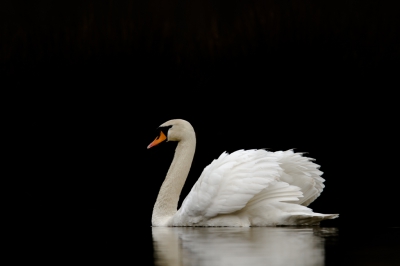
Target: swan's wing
300 171
229 182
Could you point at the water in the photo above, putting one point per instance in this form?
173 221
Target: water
113 239
299 246
239 246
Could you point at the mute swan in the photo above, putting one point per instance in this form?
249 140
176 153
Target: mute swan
244 188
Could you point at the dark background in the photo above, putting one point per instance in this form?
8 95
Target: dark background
90 81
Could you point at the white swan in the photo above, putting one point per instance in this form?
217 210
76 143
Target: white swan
244 188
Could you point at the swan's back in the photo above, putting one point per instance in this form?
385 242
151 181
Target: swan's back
254 188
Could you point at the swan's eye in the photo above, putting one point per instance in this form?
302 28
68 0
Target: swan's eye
164 130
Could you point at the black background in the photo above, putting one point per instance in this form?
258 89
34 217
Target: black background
92 80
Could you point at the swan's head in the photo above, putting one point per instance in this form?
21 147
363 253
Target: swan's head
173 130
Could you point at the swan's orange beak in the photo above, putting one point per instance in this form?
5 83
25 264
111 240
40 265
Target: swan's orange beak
158 140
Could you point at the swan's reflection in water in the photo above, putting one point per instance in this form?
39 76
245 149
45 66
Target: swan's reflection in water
239 246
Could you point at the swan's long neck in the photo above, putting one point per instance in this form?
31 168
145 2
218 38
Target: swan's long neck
167 201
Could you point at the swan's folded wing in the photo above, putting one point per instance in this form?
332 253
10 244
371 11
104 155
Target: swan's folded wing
300 171
229 182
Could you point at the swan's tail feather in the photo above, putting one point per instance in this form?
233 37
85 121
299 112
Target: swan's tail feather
268 213
309 219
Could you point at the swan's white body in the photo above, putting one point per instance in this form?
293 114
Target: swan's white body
244 188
